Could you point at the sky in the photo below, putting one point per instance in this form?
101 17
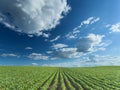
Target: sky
68 33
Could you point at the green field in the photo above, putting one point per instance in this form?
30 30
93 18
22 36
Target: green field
53 78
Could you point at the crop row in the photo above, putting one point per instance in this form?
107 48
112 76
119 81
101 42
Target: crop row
53 78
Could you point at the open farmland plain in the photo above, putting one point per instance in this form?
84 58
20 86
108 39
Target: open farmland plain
54 78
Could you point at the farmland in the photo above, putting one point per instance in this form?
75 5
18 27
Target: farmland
54 78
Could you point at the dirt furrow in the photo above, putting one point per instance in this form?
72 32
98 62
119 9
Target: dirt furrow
45 81
68 83
52 82
76 85
59 84
67 87
80 83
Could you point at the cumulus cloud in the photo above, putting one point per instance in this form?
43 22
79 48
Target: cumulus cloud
96 60
76 31
89 43
28 48
64 52
115 27
84 46
68 53
92 60
38 56
32 16
59 46
9 55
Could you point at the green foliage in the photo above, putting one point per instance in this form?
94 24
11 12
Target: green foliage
24 78
53 78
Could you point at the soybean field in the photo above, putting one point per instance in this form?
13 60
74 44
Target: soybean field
56 78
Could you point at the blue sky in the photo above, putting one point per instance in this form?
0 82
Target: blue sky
60 33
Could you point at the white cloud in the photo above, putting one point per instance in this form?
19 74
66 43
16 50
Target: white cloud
54 58
46 35
68 49
30 36
35 64
55 39
5 22
59 46
9 55
85 45
33 16
95 20
87 61
73 35
76 31
49 52
107 25
28 48
38 56
90 20
90 43
98 60
68 53
115 27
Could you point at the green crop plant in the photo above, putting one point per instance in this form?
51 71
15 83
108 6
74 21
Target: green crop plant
55 78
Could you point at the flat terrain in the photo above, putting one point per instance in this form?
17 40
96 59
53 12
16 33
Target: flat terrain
53 78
